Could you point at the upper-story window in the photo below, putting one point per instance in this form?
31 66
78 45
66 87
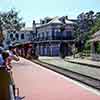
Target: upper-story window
42 35
59 30
38 36
50 33
17 36
22 36
46 35
11 36
55 30
69 33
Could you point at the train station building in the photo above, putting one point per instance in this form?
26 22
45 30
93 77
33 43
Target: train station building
54 36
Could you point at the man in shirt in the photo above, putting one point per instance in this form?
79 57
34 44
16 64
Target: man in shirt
12 55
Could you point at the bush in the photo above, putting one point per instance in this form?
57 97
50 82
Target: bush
97 47
87 46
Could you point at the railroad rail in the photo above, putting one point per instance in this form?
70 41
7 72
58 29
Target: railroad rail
87 80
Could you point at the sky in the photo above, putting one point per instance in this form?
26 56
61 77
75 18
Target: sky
37 9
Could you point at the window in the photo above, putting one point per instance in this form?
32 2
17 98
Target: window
38 36
55 30
42 35
59 30
22 36
69 35
11 36
17 36
46 35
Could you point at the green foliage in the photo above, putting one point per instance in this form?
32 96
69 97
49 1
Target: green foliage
92 23
10 21
97 47
87 46
96 26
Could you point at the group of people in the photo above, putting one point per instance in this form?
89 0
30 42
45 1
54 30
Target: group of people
24 50
6 56
13 53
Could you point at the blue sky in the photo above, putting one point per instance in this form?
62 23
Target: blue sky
37 9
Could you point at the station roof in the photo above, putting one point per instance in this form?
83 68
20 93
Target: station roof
96 37
96 34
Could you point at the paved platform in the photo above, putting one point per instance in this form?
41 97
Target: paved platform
79 68
38 83
84 61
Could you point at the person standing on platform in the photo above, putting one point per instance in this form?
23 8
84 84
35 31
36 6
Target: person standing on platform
12 55
29 51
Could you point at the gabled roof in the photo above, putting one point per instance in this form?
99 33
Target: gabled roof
55 20
68 22
95 37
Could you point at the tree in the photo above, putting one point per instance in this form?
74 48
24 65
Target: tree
1 29
87 24
84 24
95 27
10 21
97 15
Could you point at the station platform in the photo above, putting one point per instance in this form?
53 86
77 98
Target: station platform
38 83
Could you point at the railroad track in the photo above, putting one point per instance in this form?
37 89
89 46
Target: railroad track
90 81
